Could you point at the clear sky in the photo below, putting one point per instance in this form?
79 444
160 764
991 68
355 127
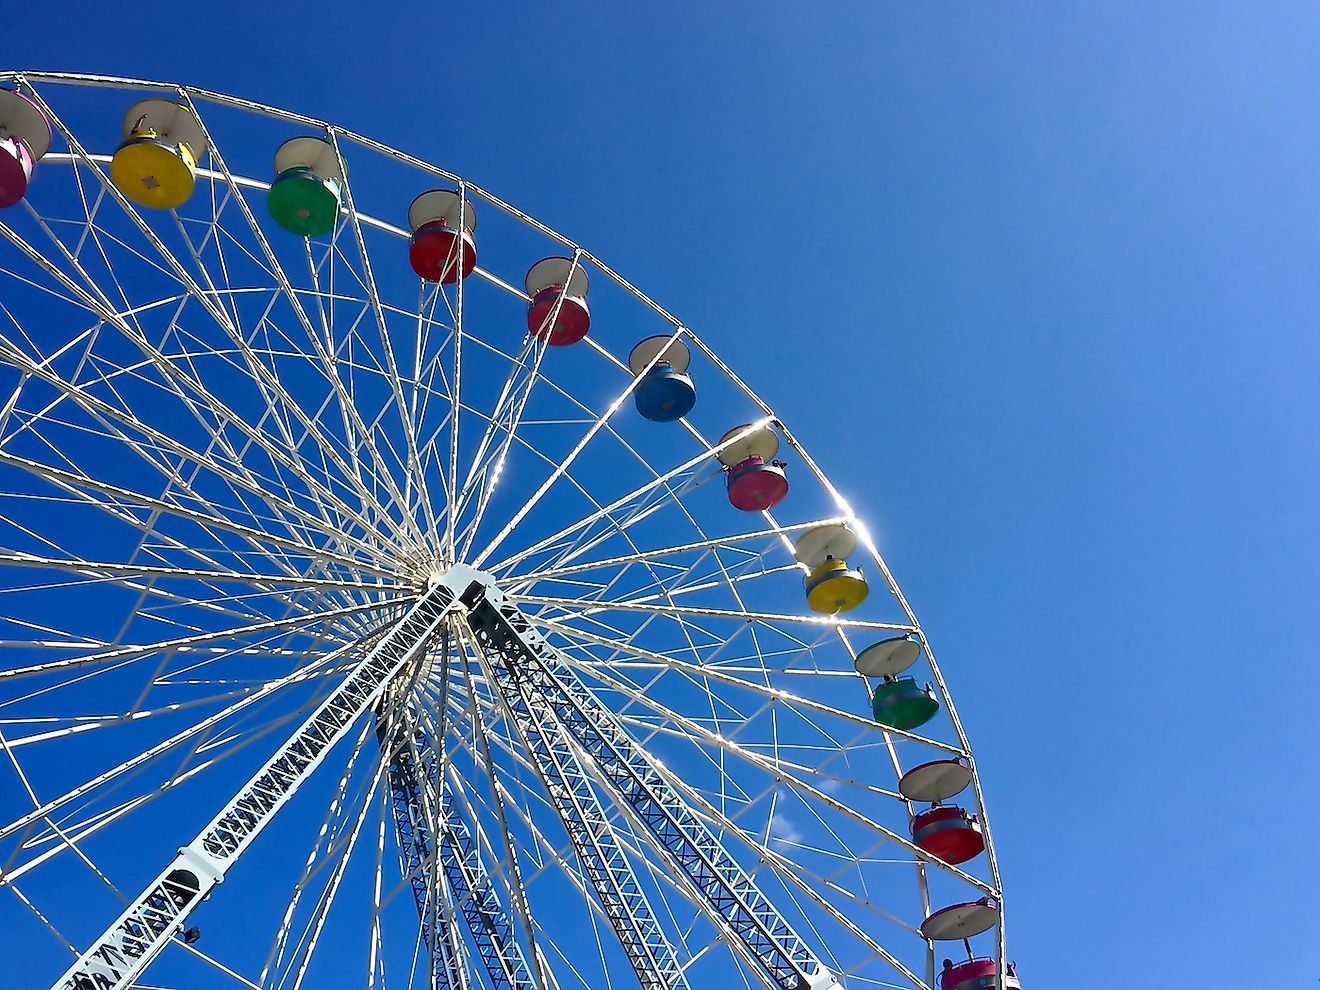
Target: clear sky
1037 284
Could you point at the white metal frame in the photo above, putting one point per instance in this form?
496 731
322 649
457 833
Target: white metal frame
316 527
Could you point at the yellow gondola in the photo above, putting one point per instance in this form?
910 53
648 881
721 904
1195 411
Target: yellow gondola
156 165
831 585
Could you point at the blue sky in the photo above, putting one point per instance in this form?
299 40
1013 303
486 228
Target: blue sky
1038 288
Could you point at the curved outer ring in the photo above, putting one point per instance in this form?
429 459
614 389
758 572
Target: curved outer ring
865 542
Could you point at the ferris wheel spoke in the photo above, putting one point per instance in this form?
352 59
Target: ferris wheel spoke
238 483
289 457
80 483
325 498
534 452
100 568
554 695
635 843
601 513
518 398
614 524
354 356
648 555
418 835
232 830
435 387
466 845
563 466
519 370
652 566
641 510
214 963
706 672
61 834
415 476
84 724
444 830
196 731
300 964
71 844
194 660
549 460
485 476
777 770
649 721
455 388
356 433
422 388
565 780
323 845
268 487
686 627
185 486
803 879
670 591
216 752
795 872
221 318
787 869
41 917
137 652
173 606
258 604
515 886
190 391
558 857
572 608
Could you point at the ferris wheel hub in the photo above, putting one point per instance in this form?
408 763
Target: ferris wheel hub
301 554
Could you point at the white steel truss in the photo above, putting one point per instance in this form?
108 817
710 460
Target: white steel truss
550 703
233 460
148 924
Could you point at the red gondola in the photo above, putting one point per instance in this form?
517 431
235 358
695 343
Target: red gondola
442 226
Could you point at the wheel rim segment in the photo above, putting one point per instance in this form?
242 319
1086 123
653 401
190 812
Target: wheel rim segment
231 465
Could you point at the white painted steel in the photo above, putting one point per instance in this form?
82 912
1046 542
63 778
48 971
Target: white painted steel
314 153
566 272
961 921
172 122
888 657
662 348
248 519
441 204
123 953
742 443
938 780
815 546
21 119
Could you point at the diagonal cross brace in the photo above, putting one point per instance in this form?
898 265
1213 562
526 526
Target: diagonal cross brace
569 788
411 769
150 922
729 893
414 786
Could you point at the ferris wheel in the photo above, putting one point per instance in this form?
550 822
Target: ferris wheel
394 601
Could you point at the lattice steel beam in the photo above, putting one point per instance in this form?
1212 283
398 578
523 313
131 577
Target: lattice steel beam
149 923
569 788
545 690
411 777
487 921
414 784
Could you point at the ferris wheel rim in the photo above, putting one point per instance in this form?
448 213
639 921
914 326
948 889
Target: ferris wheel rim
680 330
